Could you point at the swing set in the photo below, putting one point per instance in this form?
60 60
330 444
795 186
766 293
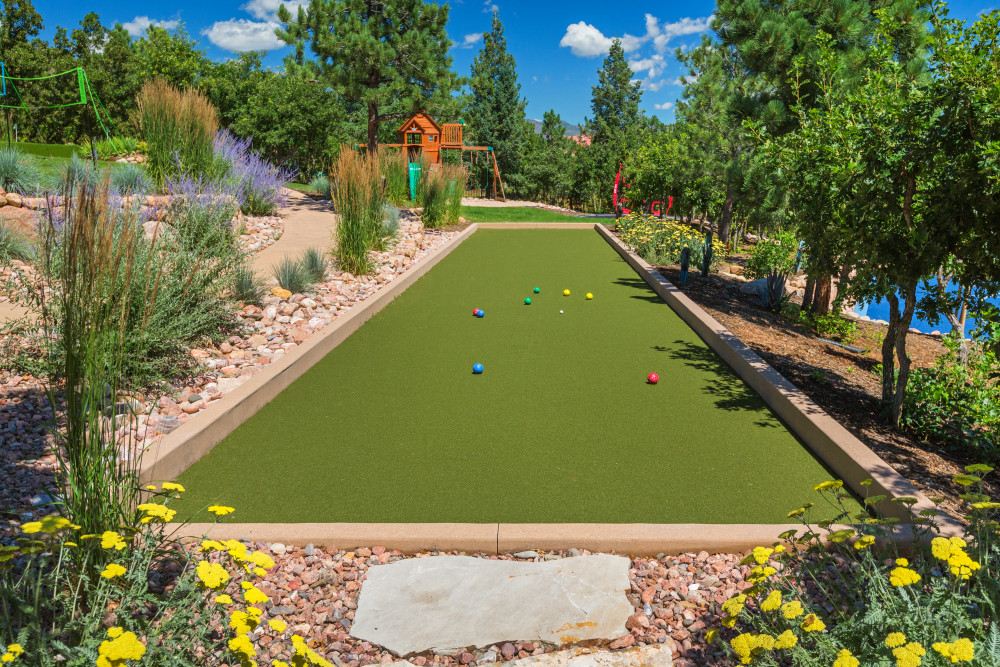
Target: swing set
424 139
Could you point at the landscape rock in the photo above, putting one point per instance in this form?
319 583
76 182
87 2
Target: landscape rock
445 603
643 656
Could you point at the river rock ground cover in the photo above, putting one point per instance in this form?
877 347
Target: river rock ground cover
392 425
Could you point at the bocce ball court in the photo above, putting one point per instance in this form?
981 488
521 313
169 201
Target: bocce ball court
393 426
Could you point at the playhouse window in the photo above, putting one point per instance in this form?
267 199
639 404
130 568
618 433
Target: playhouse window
413 137
432 138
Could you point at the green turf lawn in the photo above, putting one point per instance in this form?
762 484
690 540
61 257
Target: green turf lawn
392 425
514 214
51 150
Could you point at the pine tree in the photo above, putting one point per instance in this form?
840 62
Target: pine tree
389 57
617 124
553 129
496 109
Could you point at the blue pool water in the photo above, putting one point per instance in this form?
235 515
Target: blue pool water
879 310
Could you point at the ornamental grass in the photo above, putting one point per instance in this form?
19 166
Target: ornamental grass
849 592
178 127
357 193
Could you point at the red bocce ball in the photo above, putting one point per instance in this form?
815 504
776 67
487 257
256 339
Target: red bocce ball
652 378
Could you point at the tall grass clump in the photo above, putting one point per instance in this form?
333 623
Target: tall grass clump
292 275
18 171
357 193
131 179
178 127
315 264
390 221
395 169
457 178
75 173
15 243
321 184
443 195
247 285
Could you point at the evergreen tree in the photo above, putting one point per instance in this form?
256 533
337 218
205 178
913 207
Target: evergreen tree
553 128
616 127
390 57
497 109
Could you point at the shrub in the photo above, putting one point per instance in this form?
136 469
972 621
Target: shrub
201 215
357 195
321 184
772 255
18 171
856 598
832 326
314 264
291 275
128 178
116 146
247 285
390 221
957 404
257 185
15 243
178 127
76 172
456 177
662 241
395 169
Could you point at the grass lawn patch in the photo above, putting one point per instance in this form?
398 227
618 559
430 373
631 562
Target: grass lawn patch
515 214
393 426
301 187
51 150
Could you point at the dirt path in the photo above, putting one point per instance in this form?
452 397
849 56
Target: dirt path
309 223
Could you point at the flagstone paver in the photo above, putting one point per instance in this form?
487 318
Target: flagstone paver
443 603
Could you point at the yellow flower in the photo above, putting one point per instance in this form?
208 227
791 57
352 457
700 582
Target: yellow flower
242 622
122 647
772 603
864 542
256 612
761 554
172 486
261 559
304 653
210 545
734 605
909 655
792 610
211 575
13 652
842 535
254 595
113 570
895 639
729 621
779 549
242 646
711 635
902 562
279 625
903 576
786 639
747 645
759 574
260 572
845 659
812 623
112 540
279 663
115 631
156 511
832 484
961 650
49 524
220 510
223 599
943 547
150 487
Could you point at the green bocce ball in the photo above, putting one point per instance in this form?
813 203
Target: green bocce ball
537 290
527 302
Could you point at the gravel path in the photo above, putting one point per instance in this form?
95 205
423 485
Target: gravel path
315 591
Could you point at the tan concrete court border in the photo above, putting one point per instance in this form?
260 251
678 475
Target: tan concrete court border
832 443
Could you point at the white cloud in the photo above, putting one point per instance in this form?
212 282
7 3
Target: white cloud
684 80
243 35
489 7
267 10
654 86
586 41
470 40
654 64
664 106
137 26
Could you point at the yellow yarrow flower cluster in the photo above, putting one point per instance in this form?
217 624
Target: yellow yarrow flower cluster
734 605
894 639
13 652
864 542
747 645
786 639
113 570
252 594
792 610
903 576
245 621
277 625
220 510
172 486
908 655
960 650
242 647
160 513
305 655
832 484
211 575
812 623
846 659
760 574
49 524
952 551
772 603
110 540
124 646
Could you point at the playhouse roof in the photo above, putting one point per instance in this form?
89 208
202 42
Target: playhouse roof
421 120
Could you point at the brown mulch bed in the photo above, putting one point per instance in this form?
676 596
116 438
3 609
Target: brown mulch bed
843 383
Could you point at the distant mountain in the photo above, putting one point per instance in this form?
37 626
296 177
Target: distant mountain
571 130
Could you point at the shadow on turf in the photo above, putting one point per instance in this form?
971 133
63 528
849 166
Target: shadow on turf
638 284
730 391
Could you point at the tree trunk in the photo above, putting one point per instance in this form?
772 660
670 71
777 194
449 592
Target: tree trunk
726 219
807 298
821 295
889 356
901 356
372 128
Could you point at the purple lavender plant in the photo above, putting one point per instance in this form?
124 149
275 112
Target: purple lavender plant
259 185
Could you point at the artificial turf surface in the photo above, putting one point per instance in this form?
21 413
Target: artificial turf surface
393 426
515 214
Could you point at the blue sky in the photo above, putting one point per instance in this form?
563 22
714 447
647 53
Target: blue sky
558 46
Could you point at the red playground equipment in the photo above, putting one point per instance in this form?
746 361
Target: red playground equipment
620 202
